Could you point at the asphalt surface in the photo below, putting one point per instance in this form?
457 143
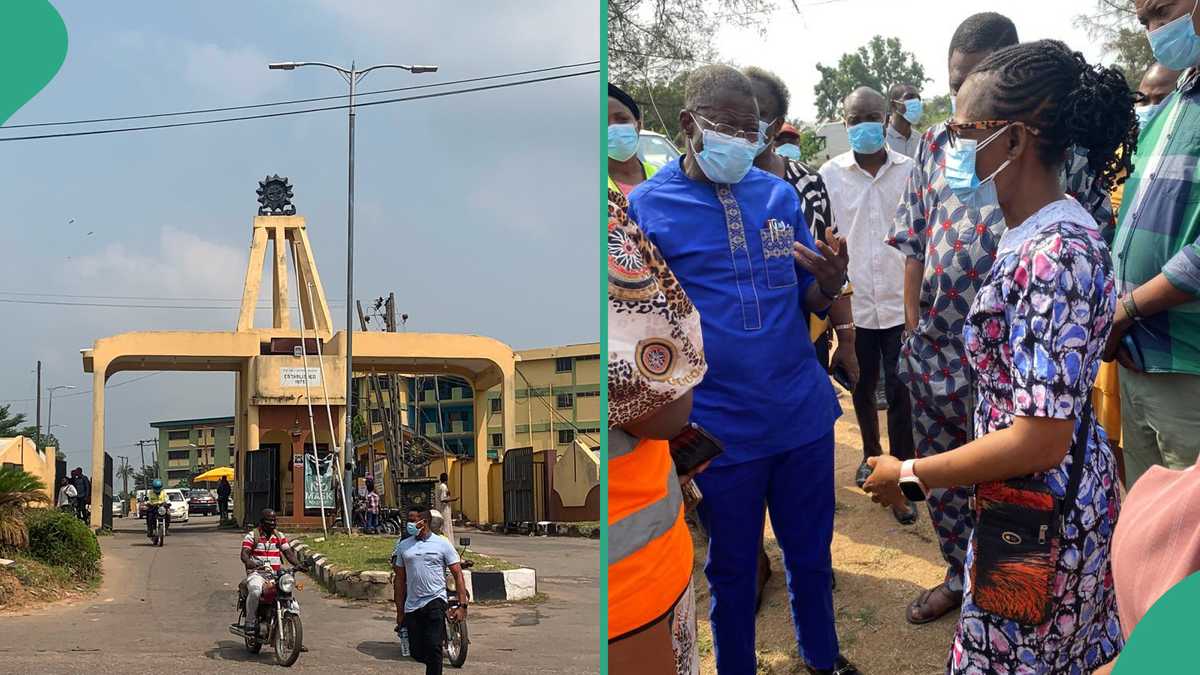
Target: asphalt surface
163 609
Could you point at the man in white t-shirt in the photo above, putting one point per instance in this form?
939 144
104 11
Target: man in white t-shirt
443 506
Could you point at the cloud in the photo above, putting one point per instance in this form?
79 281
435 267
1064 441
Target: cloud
238 73
185 265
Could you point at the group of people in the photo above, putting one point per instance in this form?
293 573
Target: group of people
1025 280
75 494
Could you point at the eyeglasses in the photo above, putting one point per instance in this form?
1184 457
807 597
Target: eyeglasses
955 129
744 134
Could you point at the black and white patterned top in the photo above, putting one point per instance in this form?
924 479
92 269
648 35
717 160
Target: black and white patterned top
814 198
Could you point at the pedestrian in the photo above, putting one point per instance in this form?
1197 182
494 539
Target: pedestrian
444 501
1045 483
656 358
736 239
419 562
372 507
949 244
1156 332
83 491
224 489
787 141
625 169
906 109
773 99
865 185
66 496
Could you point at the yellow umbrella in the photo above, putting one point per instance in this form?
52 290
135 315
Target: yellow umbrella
214 475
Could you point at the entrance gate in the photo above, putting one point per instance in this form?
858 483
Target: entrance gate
261 491
518 486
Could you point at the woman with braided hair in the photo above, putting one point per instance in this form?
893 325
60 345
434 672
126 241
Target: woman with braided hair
1039 596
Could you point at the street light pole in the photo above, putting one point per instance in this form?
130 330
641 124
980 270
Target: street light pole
50 411
352 76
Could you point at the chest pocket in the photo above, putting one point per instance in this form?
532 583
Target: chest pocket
777 240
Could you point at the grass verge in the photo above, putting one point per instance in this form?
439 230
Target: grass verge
28 581
360 553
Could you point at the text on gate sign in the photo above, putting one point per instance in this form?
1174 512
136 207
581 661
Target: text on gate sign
294 377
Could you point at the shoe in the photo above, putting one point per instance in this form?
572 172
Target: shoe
881 397
840 667
863 473
908 516
250 628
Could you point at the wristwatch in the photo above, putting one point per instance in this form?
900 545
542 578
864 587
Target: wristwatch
910 484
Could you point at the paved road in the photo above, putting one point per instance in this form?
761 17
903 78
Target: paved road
162 609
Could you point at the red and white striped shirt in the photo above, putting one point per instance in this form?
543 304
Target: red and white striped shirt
264 549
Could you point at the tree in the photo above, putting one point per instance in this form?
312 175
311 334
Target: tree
659 101
811 145
125 472
18 490
1115 24
937 110
12 424
879 64
658 38
143 477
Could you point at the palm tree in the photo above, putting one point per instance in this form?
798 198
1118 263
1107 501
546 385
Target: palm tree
18 490
125 472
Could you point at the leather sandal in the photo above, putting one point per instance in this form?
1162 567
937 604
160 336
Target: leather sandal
922 600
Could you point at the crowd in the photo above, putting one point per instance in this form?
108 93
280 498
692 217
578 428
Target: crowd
75 494
1024 279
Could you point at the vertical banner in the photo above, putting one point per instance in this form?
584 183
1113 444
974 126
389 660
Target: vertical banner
313 493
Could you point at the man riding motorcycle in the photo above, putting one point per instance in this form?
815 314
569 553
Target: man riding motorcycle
261 550
154 497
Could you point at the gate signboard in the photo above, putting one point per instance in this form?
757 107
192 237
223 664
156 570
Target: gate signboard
314 491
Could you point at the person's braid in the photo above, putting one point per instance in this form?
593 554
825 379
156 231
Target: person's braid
1072 104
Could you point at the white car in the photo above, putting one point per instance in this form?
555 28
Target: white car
178 505
118 508
656 149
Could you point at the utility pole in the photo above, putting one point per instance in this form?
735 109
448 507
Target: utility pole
124 476
38 441
142 452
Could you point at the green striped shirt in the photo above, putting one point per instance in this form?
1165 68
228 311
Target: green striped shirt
1158 229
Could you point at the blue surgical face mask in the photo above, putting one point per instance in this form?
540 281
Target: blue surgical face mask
866 138
725 159
1146 113
412 529
762 135
790 151
914 108
1175 44
623 141
960 168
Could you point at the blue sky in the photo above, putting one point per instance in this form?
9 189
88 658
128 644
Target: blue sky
478 210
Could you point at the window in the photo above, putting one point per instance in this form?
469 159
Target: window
179 454
563 364
564 400
565 436
588 357
376 415
497 440
181 435
496 405
587 394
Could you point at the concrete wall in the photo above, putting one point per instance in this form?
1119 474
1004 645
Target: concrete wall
23 452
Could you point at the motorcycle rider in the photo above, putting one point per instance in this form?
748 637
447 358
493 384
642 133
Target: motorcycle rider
261 550
155 496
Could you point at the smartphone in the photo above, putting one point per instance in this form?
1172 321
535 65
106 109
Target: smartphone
840 376
692 447
1135 354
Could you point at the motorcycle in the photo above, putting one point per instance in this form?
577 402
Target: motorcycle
158 533
278 616
457 638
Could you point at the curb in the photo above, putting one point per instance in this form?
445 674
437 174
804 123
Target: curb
376 586
541 529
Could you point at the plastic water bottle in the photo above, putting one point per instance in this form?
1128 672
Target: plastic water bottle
404 650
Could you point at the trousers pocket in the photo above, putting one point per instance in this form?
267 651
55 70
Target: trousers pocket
777 239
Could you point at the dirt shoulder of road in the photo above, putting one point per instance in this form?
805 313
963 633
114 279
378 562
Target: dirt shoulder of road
28 584
879 565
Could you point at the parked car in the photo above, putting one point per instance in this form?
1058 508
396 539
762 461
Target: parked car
178 504
656 149
118 508
201 502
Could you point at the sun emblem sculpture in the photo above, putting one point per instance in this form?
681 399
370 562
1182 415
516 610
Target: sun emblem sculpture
275 197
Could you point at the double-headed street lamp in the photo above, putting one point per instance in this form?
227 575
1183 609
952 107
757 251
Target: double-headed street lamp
352 75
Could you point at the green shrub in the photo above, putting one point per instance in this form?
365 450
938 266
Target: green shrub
59 538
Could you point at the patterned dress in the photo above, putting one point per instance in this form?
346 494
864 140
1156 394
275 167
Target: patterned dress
956 243
1034 336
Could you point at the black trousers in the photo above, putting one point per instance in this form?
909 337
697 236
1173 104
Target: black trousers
426 633
223 507
880 350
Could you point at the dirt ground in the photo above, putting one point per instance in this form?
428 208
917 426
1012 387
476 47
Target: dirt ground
880 567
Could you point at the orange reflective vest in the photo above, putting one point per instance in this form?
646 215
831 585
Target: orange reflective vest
649 546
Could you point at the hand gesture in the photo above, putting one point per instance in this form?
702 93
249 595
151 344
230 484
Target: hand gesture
827 264
884 483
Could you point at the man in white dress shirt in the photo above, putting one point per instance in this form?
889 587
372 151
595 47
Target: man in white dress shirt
865 186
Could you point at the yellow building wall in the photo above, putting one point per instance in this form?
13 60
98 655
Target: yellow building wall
23 451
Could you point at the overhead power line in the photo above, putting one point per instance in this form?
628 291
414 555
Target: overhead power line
135 297
84 391
202 111
96 132
62 303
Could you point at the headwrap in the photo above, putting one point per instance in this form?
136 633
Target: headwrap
617 93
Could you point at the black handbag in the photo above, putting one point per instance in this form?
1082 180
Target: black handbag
1018 534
